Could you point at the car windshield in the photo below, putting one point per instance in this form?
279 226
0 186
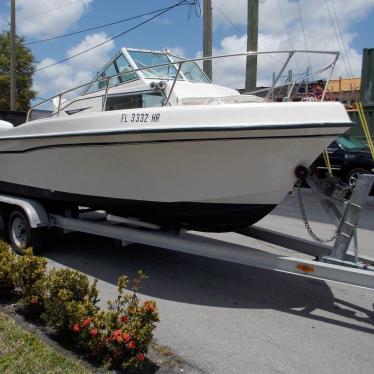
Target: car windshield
144 59
350 143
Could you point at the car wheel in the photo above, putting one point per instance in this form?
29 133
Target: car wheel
353 175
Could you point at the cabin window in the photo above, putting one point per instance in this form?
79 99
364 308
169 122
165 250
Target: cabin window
120 65
132 101
109 71
124 67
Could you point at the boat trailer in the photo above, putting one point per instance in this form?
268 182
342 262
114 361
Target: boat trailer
331 263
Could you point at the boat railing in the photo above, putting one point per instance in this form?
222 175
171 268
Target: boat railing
178 64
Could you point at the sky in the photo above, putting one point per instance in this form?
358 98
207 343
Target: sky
335 25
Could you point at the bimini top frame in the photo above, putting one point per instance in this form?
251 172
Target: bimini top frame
178 64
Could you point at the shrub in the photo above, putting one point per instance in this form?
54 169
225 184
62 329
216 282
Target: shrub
7 270
68 298
30 276
121 335
118 337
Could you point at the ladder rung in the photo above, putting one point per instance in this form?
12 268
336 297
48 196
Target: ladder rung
354 205
344 234
349 224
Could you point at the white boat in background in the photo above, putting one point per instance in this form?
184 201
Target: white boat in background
152 138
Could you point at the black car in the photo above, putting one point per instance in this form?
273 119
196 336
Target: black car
349 158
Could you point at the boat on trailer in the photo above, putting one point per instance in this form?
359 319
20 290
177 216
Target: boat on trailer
152 138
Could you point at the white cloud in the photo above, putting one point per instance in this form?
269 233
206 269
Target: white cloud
76 71
176 51
44 18
319 34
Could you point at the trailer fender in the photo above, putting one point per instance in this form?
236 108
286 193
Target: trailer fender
34 211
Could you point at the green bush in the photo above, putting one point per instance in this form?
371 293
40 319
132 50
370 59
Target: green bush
7 270
30 277
68 297
120 336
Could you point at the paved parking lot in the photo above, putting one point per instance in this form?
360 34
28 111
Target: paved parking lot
229 318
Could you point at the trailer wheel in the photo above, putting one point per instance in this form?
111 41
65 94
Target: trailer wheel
21 235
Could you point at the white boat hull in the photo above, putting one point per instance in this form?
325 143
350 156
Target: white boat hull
206 177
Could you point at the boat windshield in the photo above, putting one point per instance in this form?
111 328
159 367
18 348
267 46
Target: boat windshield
191 71
143 59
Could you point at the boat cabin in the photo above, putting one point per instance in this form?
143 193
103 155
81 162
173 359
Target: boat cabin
136 78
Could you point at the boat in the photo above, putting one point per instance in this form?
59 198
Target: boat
151 138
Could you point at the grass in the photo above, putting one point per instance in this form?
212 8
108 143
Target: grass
22 352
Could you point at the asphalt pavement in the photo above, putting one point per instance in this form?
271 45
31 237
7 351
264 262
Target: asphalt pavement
228 318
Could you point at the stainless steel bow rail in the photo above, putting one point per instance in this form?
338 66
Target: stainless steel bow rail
329 263
178 65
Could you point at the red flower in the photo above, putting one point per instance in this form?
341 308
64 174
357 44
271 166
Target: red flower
123 319
126 337
140 356
150 306
93 332
86 322
131 345
34 300
76 328
117 335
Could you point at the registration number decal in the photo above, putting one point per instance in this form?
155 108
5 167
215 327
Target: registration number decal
140 117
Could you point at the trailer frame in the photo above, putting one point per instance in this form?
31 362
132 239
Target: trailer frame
329 263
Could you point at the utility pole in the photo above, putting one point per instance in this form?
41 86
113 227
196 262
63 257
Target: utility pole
207 37
12 46
252 45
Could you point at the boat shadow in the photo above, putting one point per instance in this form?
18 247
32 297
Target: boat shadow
202 281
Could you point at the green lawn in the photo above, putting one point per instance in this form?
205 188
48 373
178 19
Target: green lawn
22 352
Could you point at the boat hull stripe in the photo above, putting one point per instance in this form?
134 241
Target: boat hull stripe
102 144
223 128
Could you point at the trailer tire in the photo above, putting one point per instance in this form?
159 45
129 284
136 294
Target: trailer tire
21 235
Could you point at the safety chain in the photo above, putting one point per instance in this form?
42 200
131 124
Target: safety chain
306 222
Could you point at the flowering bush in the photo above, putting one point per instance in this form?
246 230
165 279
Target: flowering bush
117 337
68 297
121 335
7 270
30 279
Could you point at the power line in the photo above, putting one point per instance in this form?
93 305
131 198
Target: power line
116 36
96 27
341 36
51 10
228 19
303 31
336 36
287 32
238 30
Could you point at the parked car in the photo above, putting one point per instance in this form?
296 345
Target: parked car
349 157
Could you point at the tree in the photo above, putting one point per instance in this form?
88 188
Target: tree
24 72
